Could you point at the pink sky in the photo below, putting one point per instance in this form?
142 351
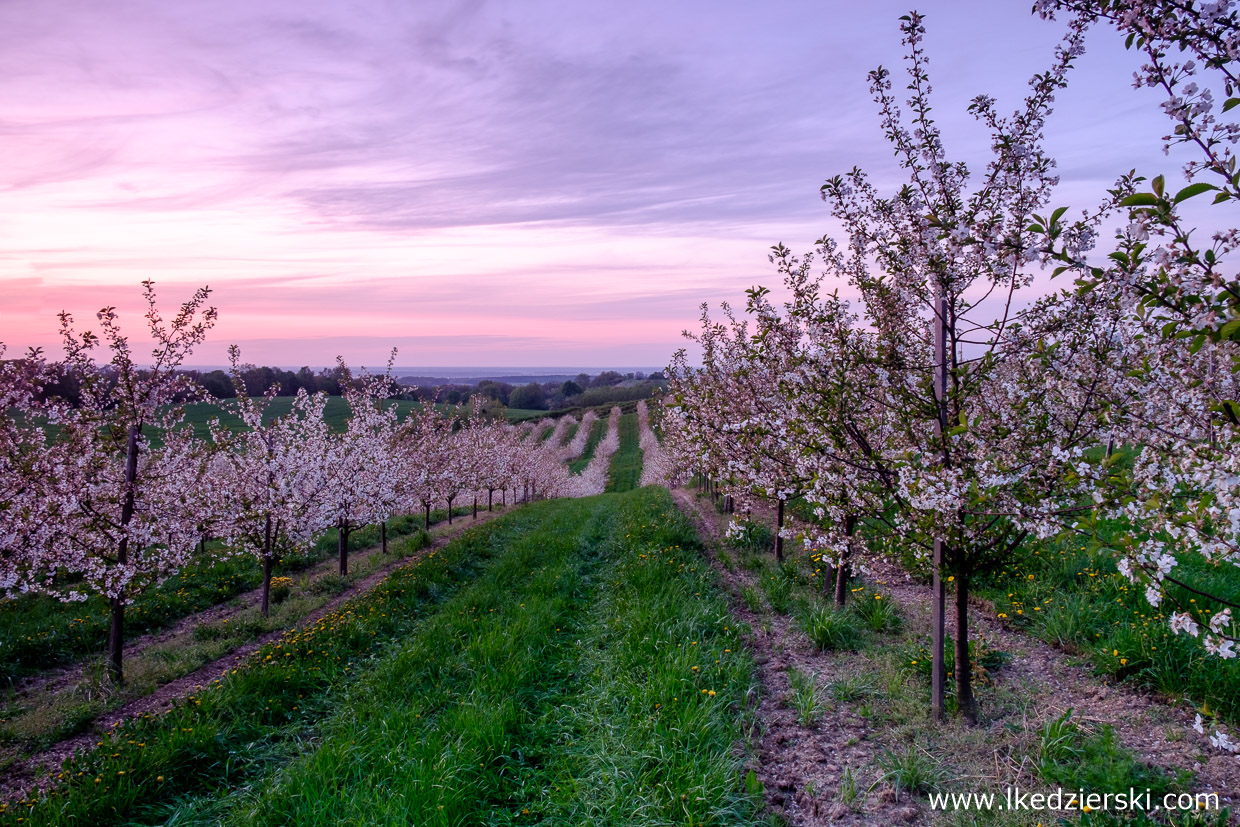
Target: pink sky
477 183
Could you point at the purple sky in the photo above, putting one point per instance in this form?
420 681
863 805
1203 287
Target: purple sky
477 183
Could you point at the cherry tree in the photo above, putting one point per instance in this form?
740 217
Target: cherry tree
360 460
29 513
1182 496
128 514
738 415
656 468
593 478
577 445
944 410
277 475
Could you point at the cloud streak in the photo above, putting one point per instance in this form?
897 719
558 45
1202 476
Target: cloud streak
471 169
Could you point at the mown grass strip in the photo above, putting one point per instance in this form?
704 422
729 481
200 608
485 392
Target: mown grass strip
596 435
588 672
665 686
626 465
447 731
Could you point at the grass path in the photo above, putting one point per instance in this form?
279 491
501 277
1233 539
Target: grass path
626 463
569 663
596 435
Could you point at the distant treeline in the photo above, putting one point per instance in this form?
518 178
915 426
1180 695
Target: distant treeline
582 391
608 387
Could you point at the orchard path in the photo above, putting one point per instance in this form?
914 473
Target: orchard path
802 768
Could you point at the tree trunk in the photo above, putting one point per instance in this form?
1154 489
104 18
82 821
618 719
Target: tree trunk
965 704
842 573
503 497
383 535
426 518
267 567
938 670
490 498
938 681
475 506
342 545
116 632
779 531
450 499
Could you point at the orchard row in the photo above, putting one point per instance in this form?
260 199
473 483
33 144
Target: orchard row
949 408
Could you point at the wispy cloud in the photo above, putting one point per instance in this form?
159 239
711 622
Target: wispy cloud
469 169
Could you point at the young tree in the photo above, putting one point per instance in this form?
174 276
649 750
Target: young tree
277 475
971 479
360 459
128 514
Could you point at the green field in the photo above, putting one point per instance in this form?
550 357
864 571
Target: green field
569 663
626 465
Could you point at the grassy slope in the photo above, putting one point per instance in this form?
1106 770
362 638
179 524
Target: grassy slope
626 464
568 663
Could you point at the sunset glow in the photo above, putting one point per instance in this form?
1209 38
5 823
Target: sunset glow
483 183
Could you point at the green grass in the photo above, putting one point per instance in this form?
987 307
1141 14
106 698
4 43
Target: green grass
1074 756
626 463
1070 595
596 435
569 663
830 629
805 696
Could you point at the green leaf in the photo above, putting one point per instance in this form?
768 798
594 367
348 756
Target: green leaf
1230 329
1197 343
1221 197
1231 103
1140 199
1057 214
1193 189
1157 184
